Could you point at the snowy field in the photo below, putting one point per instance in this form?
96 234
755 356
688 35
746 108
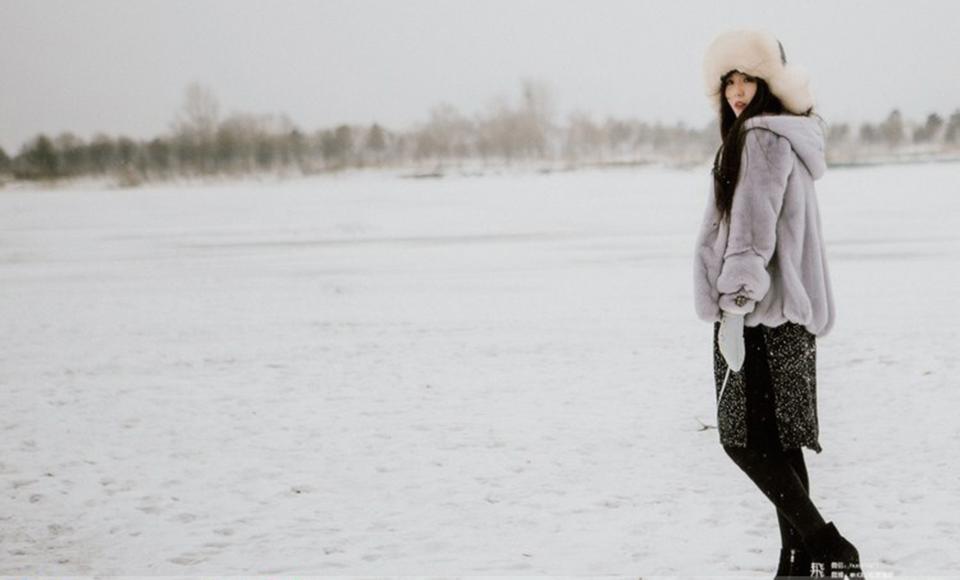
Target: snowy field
497 376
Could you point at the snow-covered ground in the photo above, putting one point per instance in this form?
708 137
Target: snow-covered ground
492 376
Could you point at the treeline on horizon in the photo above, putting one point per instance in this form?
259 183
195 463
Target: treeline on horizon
200 143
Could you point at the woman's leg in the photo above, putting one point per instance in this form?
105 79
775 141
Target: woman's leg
776 478
789 536
780 475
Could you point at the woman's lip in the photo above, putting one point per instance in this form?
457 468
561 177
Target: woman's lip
739 105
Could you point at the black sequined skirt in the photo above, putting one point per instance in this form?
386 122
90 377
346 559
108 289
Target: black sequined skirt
772 400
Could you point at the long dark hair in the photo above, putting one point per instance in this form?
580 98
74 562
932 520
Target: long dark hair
726 163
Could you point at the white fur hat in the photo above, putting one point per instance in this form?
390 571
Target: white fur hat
759 54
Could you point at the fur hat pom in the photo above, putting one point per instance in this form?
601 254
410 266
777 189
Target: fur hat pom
759 54
792 87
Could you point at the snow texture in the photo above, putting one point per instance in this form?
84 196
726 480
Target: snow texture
497 376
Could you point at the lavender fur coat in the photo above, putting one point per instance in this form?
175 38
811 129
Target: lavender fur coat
773 252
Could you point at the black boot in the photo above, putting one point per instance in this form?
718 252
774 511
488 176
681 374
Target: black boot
831 555
794 564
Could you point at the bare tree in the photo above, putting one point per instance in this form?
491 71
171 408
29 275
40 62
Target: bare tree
195 128
447 134
72 153
952 132
928 131
891 130
535 119
376 143
584 137
199 113
4 162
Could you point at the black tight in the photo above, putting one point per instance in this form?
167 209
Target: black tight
780 474
789 537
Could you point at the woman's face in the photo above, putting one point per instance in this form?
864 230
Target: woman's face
739 90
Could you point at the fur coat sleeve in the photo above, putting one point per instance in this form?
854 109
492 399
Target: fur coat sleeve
764 168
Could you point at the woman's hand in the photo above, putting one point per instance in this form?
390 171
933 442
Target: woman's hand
730 339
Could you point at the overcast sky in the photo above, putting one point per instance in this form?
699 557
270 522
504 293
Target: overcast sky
121 66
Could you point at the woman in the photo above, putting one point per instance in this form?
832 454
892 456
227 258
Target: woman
761 277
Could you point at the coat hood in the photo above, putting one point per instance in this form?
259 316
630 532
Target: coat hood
805 135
